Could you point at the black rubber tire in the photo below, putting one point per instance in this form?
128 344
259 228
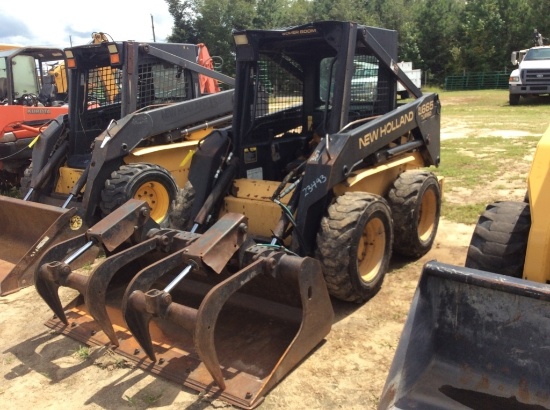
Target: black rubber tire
180 211
514 99
415 202
499 242
139 180
342 252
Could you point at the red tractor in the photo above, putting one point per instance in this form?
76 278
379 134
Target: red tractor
33 91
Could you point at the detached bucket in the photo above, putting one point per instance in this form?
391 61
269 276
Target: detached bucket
473 340
27 229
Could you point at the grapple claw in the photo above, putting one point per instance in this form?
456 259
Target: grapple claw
48 290
50 275
134 303
129 221
100 278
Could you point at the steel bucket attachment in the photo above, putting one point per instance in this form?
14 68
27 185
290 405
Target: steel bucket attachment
212 311
28 230
474 340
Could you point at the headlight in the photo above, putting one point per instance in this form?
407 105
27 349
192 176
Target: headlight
513 79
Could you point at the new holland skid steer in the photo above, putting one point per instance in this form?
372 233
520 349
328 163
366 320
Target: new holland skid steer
134 120
477 336
311 187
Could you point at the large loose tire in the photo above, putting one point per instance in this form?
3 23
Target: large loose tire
514 99
499 242
147 182
354 245
180 212
415 202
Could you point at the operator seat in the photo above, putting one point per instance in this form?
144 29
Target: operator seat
3 88
47 92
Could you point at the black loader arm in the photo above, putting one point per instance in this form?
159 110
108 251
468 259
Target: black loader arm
117 141
370 145
190 65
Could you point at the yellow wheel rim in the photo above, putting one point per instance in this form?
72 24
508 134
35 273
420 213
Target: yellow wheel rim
157 197
426 215
371 249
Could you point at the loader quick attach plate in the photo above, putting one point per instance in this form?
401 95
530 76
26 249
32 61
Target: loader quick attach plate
258 341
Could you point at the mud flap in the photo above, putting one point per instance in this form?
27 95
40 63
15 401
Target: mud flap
28 229
474 340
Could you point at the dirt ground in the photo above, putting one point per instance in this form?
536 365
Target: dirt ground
42 370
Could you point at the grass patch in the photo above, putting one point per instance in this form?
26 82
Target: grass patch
150 399
11 192
82 353
471 162
478 170
483 109
466 214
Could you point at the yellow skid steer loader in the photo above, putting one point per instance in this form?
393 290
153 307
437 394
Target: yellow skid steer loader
477 336
136 116
304 196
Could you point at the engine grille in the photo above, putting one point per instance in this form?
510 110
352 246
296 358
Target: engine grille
535 76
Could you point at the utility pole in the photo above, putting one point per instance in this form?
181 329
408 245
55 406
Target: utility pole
153 27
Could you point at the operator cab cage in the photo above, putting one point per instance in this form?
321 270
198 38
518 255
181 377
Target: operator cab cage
110 80
25 71
312 79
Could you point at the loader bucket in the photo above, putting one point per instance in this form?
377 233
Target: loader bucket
474 340
27 230
232 333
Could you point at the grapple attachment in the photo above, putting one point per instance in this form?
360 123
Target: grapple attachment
472 339
213 311
28 229
128 222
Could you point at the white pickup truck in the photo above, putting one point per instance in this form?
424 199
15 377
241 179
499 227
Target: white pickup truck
532 77
415 74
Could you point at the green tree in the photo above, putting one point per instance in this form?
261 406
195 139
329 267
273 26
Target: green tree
184 13
437 22
482 35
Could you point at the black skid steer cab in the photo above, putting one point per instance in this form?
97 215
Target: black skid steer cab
305 196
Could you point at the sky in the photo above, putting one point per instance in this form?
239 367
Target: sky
58 23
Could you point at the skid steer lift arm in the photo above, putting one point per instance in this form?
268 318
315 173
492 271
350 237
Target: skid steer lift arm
126 134
339 155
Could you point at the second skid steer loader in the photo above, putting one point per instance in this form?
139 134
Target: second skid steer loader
477 336
313 185
134 120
